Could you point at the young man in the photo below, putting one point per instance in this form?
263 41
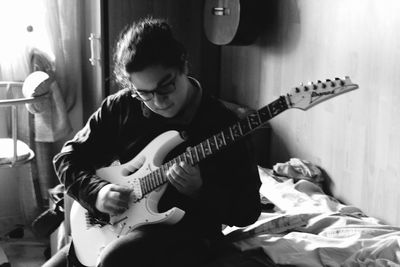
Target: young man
158 95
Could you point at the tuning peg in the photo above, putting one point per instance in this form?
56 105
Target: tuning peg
340 81
312 85
331 82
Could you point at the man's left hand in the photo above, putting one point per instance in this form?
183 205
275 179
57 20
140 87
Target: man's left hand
185 178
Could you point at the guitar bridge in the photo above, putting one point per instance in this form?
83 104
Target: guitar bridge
120 220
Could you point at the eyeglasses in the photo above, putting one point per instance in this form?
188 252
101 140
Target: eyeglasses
166 89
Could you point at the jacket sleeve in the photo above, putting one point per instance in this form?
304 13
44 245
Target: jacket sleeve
92 147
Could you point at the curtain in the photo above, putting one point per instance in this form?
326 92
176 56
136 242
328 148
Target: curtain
52 27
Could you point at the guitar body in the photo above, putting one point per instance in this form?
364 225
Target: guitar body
89 240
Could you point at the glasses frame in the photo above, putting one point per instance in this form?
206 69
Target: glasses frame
156 90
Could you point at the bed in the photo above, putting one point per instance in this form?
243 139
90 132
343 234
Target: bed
302 226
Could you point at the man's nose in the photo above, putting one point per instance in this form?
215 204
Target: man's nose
160 100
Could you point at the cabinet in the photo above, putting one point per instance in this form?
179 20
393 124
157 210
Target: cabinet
93 81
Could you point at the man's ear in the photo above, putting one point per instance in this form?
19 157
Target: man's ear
185 67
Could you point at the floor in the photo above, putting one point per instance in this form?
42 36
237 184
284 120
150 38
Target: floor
27 251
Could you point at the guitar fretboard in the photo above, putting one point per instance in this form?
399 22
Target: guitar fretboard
214 144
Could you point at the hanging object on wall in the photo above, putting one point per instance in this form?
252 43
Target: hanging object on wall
232 22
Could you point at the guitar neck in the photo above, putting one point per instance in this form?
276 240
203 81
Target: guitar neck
216 143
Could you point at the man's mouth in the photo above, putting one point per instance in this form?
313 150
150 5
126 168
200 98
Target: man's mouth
166 108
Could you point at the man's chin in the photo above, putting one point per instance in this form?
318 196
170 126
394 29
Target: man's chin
167 113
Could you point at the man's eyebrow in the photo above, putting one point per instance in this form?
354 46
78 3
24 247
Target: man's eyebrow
164 79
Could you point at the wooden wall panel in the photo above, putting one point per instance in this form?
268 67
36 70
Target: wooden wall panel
354 137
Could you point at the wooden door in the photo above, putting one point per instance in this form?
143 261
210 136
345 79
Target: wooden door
93 57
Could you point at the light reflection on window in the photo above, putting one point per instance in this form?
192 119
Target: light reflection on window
16 41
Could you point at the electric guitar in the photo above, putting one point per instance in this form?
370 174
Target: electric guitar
146 173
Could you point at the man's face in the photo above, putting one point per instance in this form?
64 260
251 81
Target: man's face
166 89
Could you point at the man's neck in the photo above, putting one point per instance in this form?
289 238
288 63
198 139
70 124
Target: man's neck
192 103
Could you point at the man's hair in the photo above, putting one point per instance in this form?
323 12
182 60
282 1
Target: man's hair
148 42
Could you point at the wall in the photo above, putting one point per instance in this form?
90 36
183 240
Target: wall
354 137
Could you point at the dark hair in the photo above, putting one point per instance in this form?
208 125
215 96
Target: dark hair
148 42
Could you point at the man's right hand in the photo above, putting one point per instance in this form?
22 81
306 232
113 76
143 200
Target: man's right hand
113 199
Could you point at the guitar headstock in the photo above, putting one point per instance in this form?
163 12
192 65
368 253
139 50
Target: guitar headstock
307 96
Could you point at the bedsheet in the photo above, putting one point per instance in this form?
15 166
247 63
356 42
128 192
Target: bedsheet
310 228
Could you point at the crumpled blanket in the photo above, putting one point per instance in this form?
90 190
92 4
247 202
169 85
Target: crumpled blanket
311 228
298 169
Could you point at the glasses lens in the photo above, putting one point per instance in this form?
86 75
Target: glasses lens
144 96
166 89
162 90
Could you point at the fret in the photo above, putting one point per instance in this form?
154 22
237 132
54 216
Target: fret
158 177
220 140
278 106
269 112
254 120
148 183
167 164
213 145
190 155
244 126
236 132
197 154
173 162
155 179
200 152
206 148
216 142
146 180
264 114
143 181
151 180
164 173
227 133
143 185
